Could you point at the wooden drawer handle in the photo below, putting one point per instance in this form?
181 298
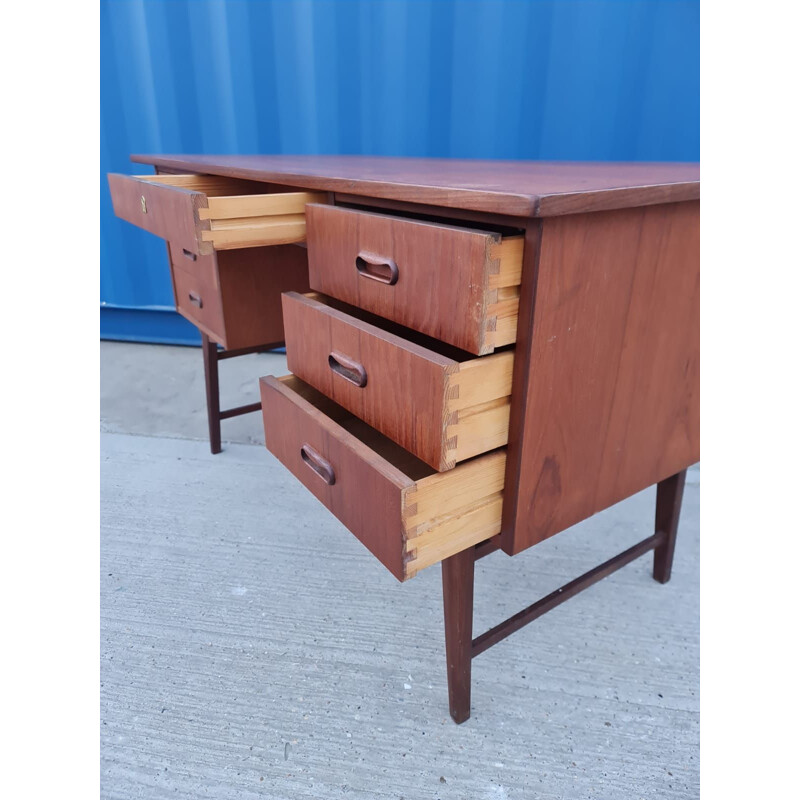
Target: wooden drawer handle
189 254
348 369
196 299
317 464
377 268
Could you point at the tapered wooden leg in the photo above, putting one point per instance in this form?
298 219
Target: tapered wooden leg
458 574
210 362
669 497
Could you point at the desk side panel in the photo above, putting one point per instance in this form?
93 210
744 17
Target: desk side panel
611 396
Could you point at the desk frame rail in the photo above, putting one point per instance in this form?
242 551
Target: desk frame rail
212 355
458 574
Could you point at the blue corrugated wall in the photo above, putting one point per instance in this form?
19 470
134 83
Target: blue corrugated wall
593 80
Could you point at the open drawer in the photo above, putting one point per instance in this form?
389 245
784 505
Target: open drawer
204 213
405 513
458 284
442 404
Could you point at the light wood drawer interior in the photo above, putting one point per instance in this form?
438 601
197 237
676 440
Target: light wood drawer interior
407 514
442 404
203 213
454 283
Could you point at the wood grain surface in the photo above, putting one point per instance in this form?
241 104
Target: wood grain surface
405 513
259 205
251 282
162 209
240 291
205 267
204 213
366 495
209 185
198 298
440 408
442 284
518 188
610 401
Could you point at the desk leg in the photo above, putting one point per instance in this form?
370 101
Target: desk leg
210 362
458 574
668 509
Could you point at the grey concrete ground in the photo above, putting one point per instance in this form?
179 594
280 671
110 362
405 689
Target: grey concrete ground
159 391
253 648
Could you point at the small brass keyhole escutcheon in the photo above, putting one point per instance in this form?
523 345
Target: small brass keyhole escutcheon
144 205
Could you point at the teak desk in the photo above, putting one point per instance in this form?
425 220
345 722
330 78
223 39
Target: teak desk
490 352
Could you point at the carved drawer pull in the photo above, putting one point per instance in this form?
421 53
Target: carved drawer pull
377 268
348 369
317 464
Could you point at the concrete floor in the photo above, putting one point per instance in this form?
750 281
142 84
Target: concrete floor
251 647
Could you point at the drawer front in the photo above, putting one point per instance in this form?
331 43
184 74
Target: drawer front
407 515
204 213
167 211
440 408
204 267
454 284
248 284
198 298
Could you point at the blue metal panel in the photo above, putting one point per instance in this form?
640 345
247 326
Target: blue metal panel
146 324
590 80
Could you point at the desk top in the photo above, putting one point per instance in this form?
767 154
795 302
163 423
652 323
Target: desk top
517 188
